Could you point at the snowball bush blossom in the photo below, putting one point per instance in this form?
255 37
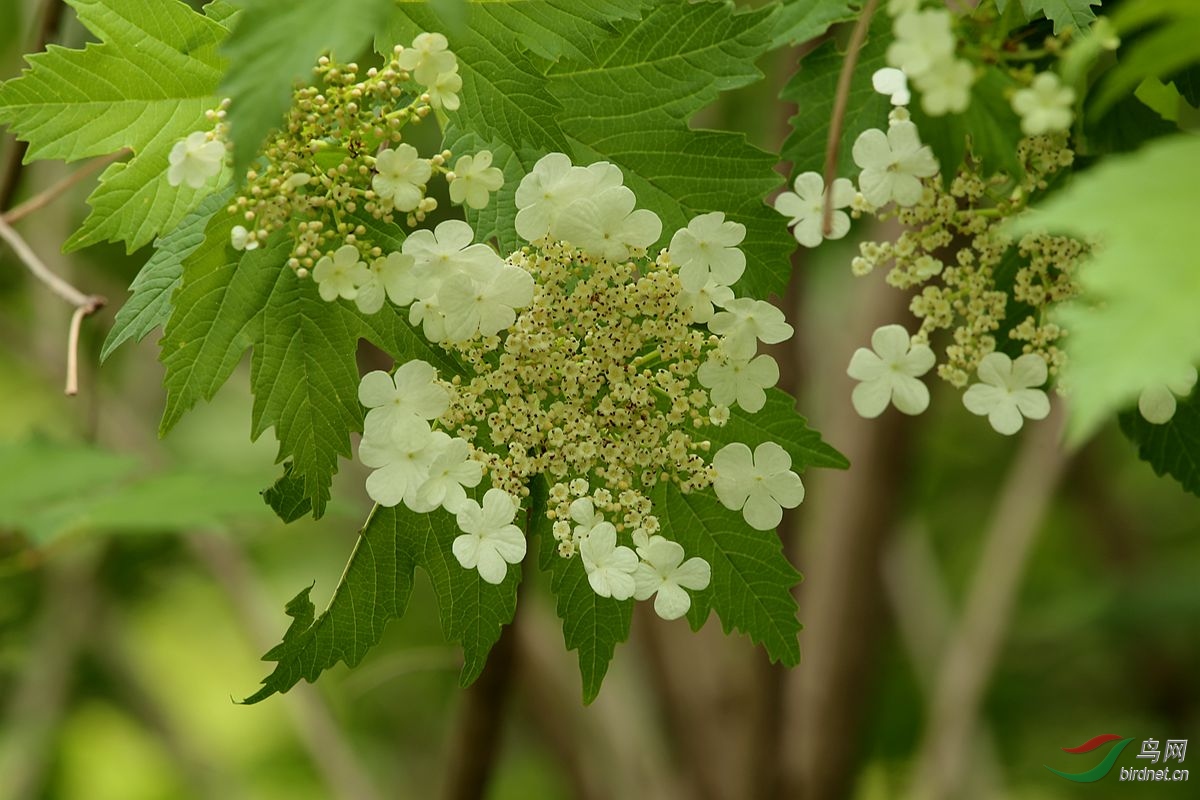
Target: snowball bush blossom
893 83
474 179
428 57
609 567
552 186
806 207
923 38
1007 393
401 174
744 322
946 87
194 160
707 249
400 455
1157 402
892 164
413 391
451 473
760 485
607 226
663 574
490 542
888 373
341 275
1045 106
731 380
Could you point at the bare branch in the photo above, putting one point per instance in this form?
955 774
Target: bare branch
43 199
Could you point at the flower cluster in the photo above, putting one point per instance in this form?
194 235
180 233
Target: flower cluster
591 364
923 51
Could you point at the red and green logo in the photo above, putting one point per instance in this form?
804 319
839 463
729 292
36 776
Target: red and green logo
1100 770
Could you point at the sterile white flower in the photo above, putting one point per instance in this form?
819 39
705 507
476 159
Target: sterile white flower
893 164
427 58
607 226
449 472
391 276
806 207
1007 394
400 175
474 179
892 82
609 567
738 379
412 392
443 92
584 513
700 305
490 542
1045 106
664 573
448 251
400 455
745 320
429 316
341 275
242 239
923 38
484 307
946 89
760 485
1157 402
707 249
889 374
554 184
194 160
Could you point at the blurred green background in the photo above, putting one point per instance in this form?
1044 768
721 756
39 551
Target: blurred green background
142 579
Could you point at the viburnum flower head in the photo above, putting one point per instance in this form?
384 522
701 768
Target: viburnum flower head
194 160
401 174
1007 393
888 373
744 322
759 484
738 380
946 89
806 207
474 180
892 164
341 274
490 542
923 38
893 83
607 226
1157 402
707 249
664 575
1045 106
412 392
609 567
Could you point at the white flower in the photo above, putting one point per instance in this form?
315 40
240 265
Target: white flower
1157 401
584 514
1007 394
392 277
474 179
1045 106
242 239
400 175
412 392
946 89
743 321
759 485
806 207
400 454
699 305
738 379
889 374
448 251
892 82
443 92
427 58
429 316
484 307
194 160
449 472
554 184
490 542
892 164
664 572
341 275
607 226
609 568
707 249
923 38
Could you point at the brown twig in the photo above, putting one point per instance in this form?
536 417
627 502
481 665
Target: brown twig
43 199
840 101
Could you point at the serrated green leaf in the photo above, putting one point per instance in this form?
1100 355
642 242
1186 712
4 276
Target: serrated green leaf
812 89
751 588
1162 52
286 496
799 21
1067 15
374 590
305 382
274 44
149 305
1135 323
778 422
1172 448
144 87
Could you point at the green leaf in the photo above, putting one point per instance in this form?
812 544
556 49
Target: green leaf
144 87
375 588
275 44
305 382
812 89
1172 448
1135 323
287 497
799 21
1161 52
1067 15
778 422
149 305
751 588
